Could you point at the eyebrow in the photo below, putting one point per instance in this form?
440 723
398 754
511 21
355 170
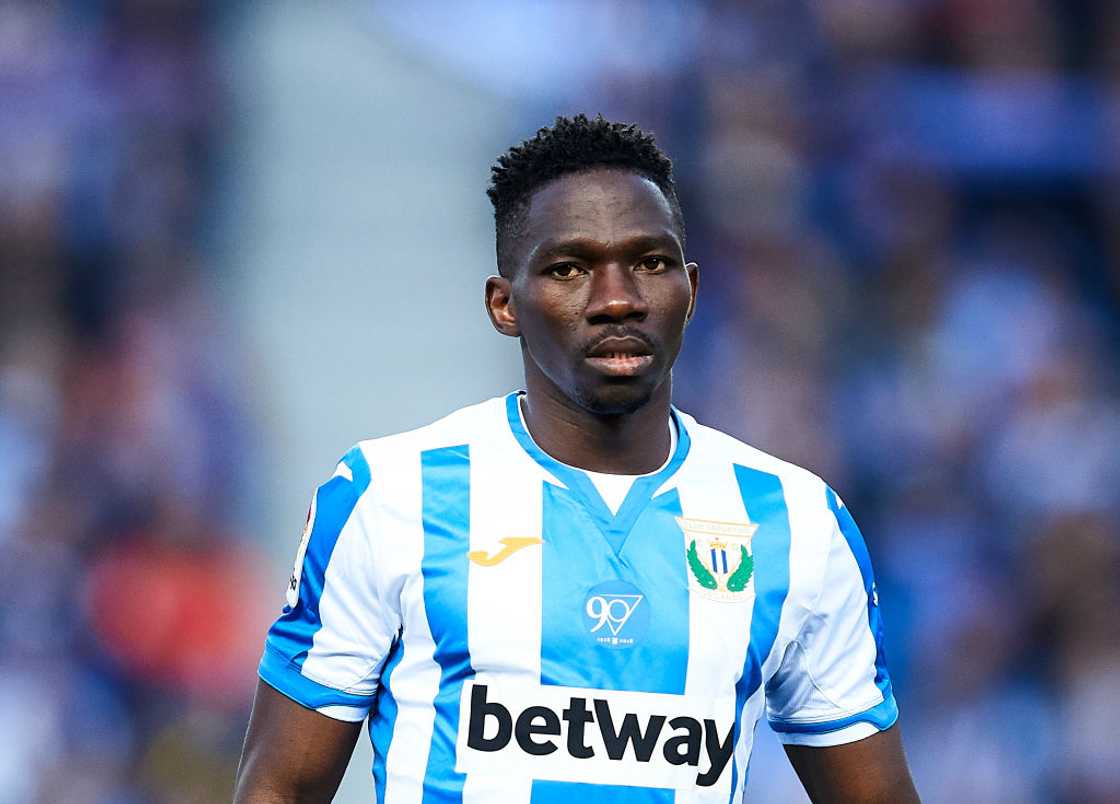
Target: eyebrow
586 247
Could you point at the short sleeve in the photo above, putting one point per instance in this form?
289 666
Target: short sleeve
833 686
326 649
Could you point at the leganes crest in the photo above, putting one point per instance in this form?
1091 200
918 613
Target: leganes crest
718 556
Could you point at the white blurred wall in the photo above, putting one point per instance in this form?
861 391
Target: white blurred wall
360 243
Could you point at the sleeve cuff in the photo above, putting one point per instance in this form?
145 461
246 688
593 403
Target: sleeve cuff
842 730
280 674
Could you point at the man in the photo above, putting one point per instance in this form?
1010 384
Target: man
577 590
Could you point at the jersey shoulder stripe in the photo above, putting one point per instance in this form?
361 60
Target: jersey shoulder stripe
720 449
805 493
292 636
463 426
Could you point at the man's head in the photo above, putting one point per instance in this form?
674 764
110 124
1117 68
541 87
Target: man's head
571 145
593 278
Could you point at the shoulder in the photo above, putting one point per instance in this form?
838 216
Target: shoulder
461 427
785 493
814 513
381 491
714 449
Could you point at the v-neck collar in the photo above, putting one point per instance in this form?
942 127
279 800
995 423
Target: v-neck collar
615 527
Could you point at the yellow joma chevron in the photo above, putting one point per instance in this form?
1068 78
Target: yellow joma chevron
511 545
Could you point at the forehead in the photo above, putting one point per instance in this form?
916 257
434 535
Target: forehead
603 205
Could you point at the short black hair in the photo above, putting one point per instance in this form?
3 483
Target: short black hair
570 145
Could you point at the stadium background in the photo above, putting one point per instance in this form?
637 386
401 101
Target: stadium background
235 238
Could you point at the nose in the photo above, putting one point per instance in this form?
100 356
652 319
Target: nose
615 296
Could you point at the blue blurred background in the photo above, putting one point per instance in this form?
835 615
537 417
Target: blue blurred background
235 238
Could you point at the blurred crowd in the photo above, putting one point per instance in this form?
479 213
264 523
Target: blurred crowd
906 217
907 213
132 617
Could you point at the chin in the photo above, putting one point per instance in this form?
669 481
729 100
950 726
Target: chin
615 399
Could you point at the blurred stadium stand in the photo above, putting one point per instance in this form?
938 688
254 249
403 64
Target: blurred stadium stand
235 238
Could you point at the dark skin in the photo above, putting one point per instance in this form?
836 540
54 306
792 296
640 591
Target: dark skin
600 257
292 755
599 294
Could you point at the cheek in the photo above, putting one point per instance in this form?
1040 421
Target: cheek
550 326
555 312
674 301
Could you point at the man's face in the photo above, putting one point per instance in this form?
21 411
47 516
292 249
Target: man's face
601 293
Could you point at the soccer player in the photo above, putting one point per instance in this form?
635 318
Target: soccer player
577 590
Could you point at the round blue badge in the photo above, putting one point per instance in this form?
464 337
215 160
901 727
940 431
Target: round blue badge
616 614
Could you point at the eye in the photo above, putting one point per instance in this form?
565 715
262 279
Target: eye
654 264
564 270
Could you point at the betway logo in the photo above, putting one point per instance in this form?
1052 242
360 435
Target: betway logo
595 736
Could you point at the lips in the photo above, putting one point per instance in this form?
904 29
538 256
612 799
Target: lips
622 365
621 356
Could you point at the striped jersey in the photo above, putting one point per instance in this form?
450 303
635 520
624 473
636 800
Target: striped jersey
510 638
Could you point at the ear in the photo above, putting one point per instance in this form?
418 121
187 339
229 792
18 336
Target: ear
499 306
693 271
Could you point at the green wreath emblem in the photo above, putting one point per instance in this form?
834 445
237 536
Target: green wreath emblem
699 571
742 576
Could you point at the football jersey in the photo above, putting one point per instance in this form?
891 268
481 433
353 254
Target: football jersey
511 639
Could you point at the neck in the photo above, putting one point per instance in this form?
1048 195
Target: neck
624 444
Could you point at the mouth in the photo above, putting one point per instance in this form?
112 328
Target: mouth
621 357
620 365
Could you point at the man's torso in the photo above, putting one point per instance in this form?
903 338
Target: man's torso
546 643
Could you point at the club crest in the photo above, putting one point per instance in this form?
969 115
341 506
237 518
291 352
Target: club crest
718 557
